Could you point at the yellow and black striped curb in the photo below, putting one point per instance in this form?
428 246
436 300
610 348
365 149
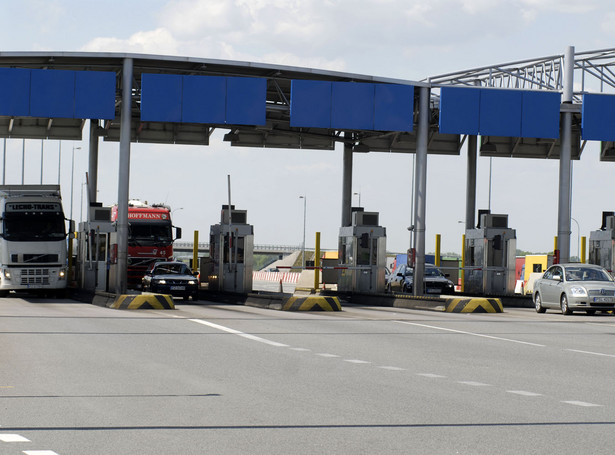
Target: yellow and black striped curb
312 303
474 305
143 302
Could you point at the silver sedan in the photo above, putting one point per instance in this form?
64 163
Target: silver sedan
573 287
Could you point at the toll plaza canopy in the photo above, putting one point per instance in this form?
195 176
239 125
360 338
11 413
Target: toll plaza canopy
524 109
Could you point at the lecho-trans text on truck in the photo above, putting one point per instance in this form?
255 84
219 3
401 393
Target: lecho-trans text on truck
33 247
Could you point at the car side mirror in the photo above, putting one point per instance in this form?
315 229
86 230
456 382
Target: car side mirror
557 277
400 274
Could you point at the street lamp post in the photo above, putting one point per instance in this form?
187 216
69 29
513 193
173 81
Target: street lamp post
304 197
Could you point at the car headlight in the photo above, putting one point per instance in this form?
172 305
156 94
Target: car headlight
7 274
191 282
161 282
578 291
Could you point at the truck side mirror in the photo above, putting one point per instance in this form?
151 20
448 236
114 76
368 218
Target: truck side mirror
71 229
178 233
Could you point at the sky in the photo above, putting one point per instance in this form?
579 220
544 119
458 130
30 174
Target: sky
404 39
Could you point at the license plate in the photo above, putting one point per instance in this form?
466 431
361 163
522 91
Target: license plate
603 299
433 291
178 288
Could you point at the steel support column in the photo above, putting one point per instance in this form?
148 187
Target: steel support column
124 178
565 187
92 165
347 182
471 182
420 201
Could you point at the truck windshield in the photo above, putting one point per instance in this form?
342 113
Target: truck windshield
33 226
149 234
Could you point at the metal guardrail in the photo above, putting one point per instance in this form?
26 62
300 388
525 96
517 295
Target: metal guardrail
204 246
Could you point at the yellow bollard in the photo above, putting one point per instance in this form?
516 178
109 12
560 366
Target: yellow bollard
195 252
583 250
437 259
317 262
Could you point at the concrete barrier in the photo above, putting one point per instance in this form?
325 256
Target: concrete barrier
474 305
312 303
143 302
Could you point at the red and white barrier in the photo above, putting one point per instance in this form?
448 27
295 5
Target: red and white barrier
286 277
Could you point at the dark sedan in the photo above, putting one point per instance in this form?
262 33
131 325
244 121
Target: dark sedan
174 278
434 281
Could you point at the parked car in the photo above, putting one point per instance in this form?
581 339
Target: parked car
434 281
174 278
573 287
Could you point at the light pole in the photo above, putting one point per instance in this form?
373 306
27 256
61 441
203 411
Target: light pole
72 178
578 239
304 197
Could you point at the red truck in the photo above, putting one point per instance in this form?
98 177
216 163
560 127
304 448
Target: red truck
150 237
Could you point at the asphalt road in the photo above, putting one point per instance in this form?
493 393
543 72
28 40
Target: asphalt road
224 379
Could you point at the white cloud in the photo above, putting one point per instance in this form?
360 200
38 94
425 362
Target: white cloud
158 41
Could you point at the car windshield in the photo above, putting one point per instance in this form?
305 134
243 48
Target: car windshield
432 271
177 269
586 274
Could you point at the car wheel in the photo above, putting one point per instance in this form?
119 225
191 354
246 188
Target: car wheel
564 305
590 312
538 304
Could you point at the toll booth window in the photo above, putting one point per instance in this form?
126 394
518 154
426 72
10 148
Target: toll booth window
240 241
363 250
537 268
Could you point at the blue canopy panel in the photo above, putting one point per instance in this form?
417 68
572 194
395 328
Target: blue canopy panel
203 99
351 106
598 117
57 93
497 112
459 110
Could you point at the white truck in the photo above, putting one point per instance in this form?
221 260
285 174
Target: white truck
33 246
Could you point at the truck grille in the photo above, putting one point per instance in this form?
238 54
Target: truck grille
34 276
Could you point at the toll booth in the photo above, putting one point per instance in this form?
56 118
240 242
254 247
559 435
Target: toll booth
93 249
362 254
490 252
602 243
231 249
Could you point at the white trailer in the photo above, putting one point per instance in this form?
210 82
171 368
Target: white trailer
33 246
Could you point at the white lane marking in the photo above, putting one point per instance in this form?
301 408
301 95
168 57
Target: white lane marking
238 333
582 403
39 452
431 375
324 354
474 383
392 368
472 333
300 349
5 437
525 393
591 353
355 361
